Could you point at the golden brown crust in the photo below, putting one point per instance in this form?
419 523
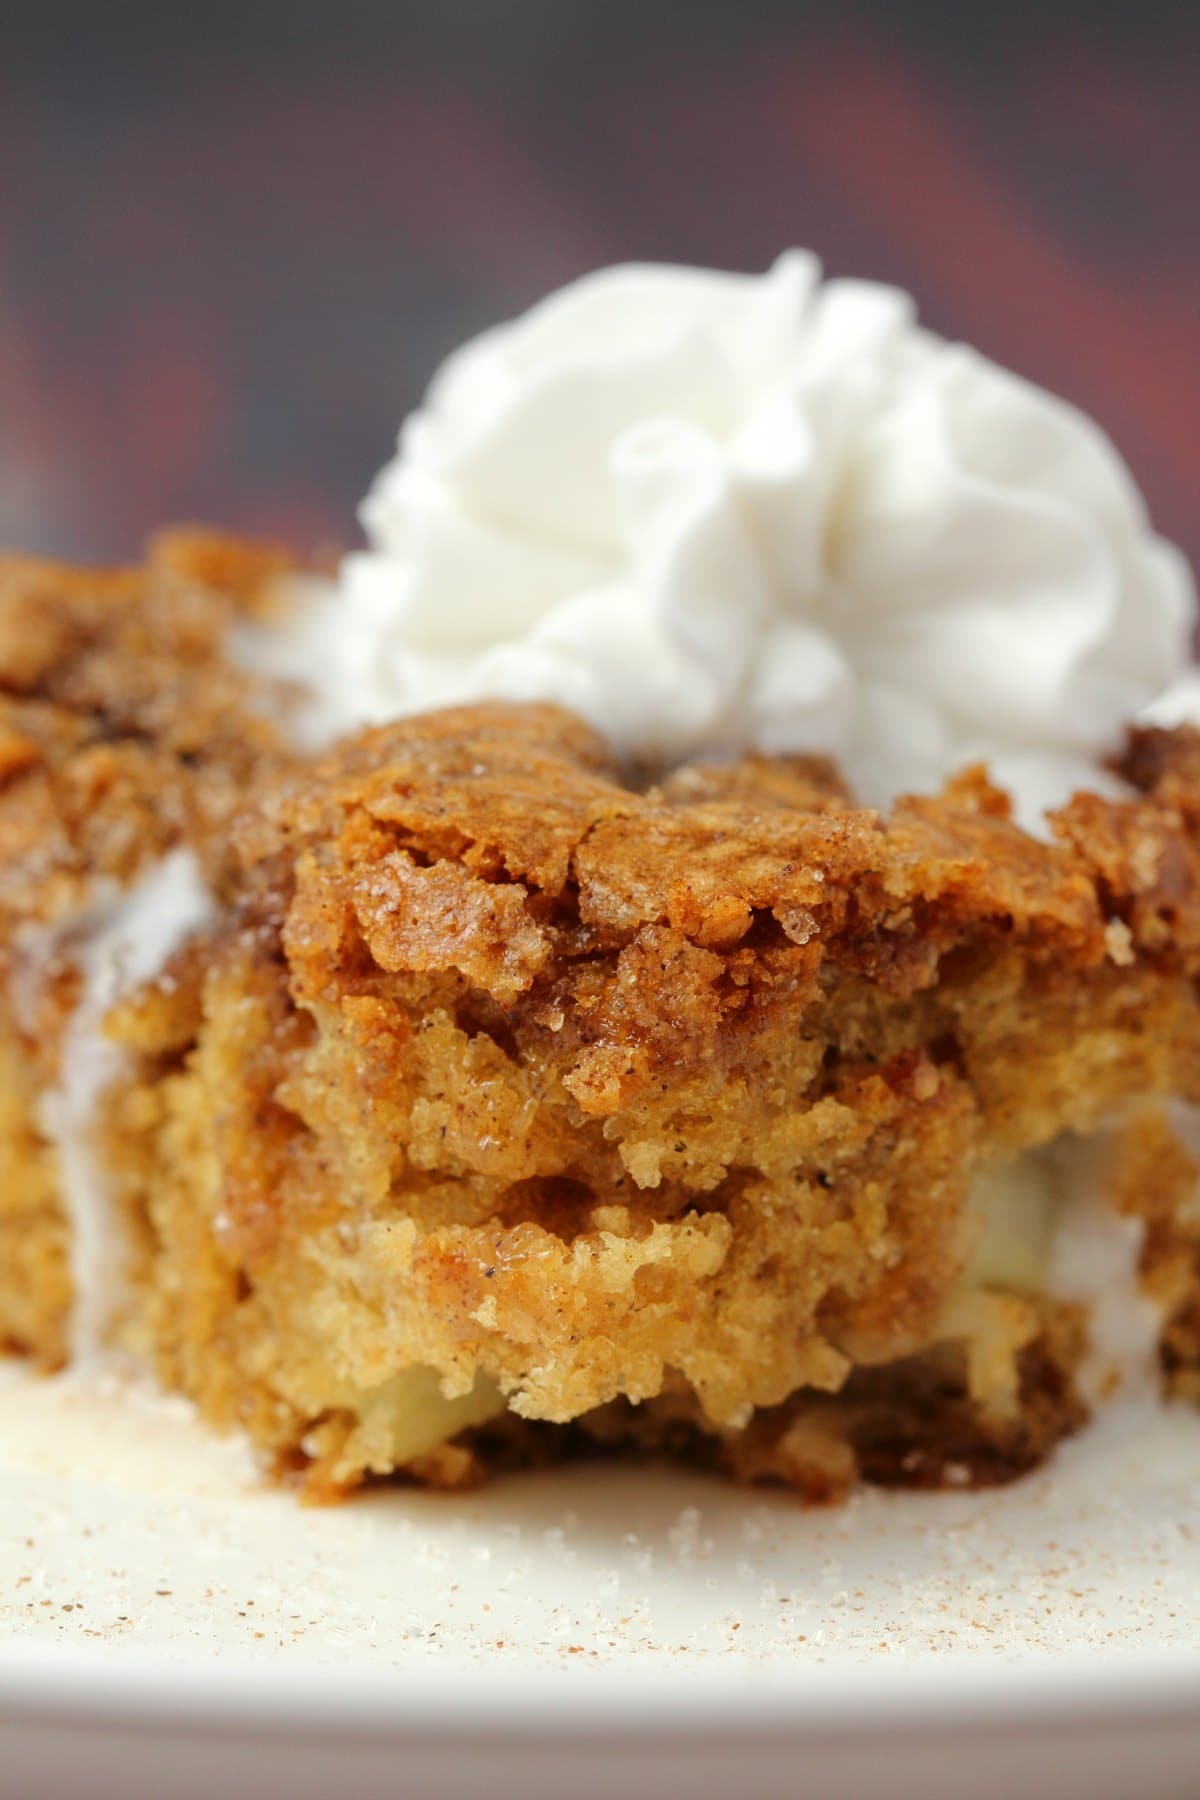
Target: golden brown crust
124 728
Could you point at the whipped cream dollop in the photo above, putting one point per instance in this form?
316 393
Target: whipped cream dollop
716 512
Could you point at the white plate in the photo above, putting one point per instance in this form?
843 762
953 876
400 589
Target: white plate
171 1625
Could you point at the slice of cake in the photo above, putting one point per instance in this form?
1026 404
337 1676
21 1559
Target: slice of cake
478 1084
125 751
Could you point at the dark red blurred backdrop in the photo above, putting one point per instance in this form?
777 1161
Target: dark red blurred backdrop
235 241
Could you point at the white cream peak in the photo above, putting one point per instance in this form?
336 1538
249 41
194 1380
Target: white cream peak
718 512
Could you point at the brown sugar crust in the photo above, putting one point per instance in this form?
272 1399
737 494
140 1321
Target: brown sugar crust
582 1096
124 728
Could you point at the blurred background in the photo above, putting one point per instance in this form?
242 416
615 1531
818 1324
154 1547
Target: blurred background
236 238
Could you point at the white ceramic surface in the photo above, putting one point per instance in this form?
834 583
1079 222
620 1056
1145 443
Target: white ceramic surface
170 1625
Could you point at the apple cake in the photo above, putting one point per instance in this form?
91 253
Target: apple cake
458 1094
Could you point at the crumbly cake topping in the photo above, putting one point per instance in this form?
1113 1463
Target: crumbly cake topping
526 801
123 727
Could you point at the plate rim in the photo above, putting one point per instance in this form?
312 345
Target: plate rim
124 1689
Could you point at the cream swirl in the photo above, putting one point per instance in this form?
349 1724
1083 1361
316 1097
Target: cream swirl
715 512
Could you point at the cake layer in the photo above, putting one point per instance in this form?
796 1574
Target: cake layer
35 1281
